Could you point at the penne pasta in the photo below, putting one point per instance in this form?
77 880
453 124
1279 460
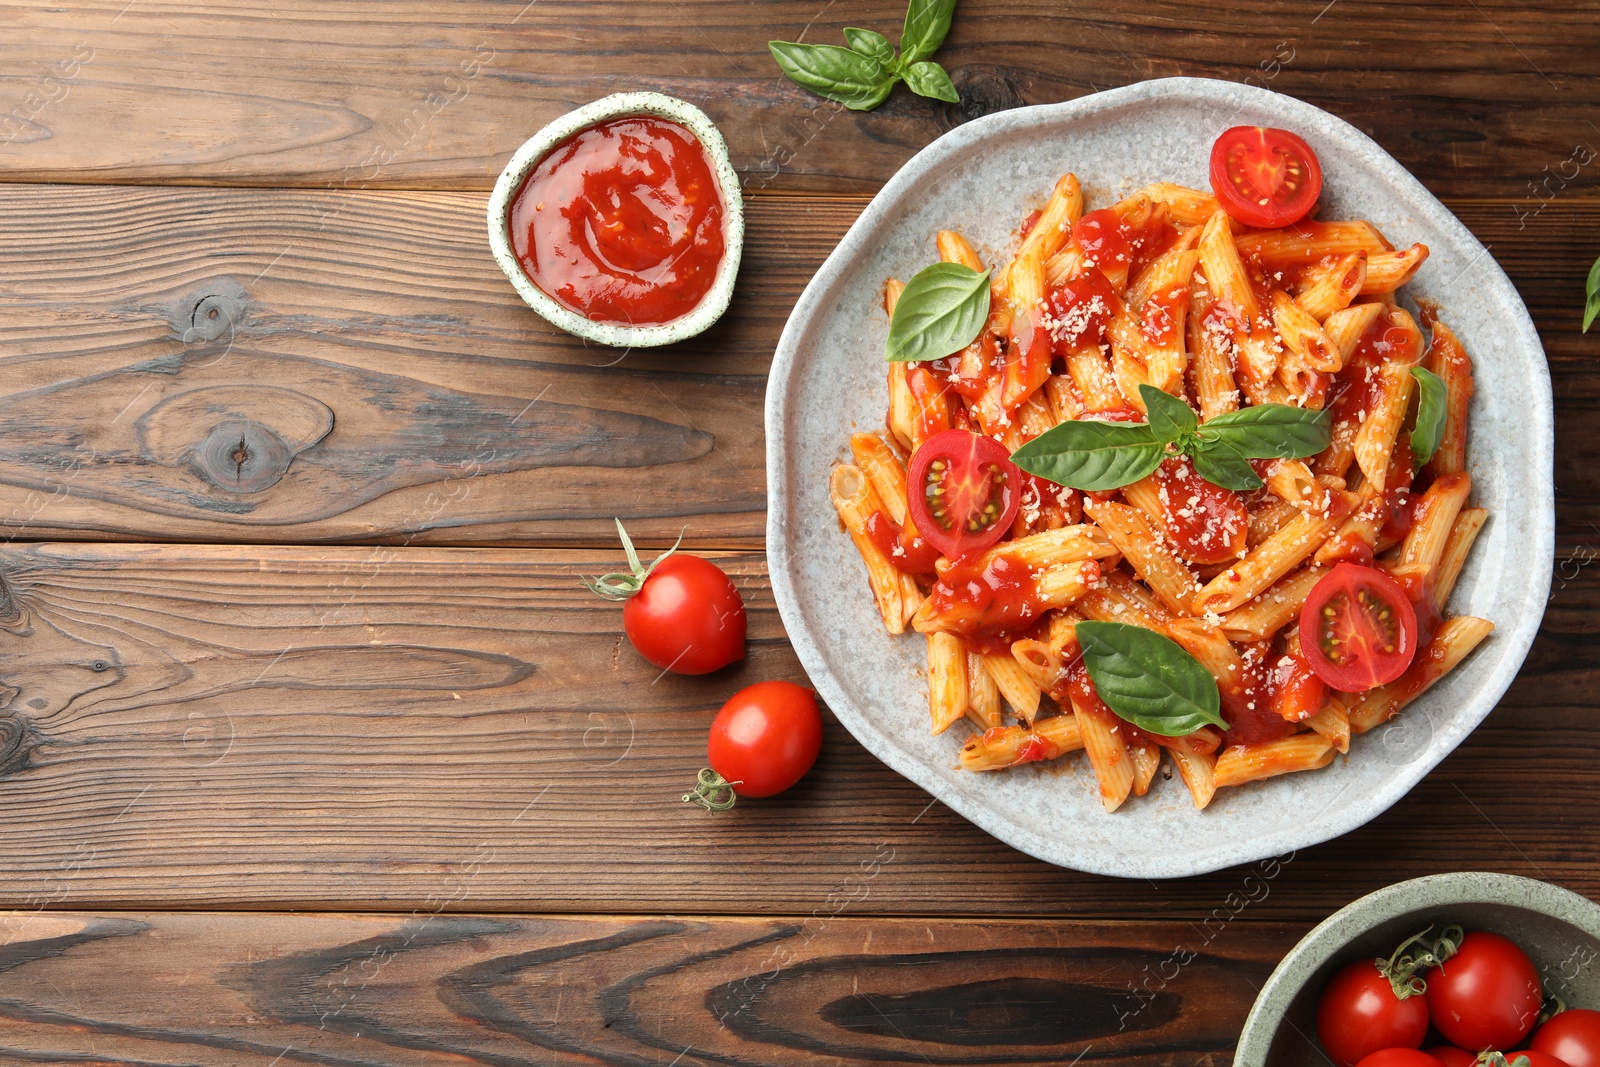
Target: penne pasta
947 680
1165 289
855 502
1238 764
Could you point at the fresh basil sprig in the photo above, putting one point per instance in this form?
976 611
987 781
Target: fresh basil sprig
1148 679
861 76
1591 292
942 310
1096 456
1432 402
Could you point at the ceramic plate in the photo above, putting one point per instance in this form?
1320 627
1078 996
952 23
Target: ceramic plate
828 380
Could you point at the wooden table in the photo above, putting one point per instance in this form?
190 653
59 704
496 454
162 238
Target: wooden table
314 750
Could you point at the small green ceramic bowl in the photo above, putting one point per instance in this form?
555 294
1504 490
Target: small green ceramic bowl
1558 929
622 105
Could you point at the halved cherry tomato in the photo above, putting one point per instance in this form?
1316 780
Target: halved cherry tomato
1206 522
1487 995
1359 1014
1358 629
1264 177
964 492
1573 1037
1399 1057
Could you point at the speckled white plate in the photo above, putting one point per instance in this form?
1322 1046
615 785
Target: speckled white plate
828 380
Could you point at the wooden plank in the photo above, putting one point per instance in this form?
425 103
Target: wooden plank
385 378
457 415
467 730
344 990
1475 97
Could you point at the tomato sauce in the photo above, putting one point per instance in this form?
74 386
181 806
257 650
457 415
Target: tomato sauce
1111 242
1207 523
912 555
622 222
1077 310
1294 691
996 602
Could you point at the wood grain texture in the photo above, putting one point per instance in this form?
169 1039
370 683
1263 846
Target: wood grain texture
349 990
467 730
1474 97
298 366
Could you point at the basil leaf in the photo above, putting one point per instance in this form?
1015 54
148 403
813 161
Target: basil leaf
942 310
1148 679
872 44
1591 291
927 22
1092 455
929 79
1225 467
1432 402
858 82
1270 431
1169 417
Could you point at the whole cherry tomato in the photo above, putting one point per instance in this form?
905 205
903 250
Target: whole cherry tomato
765 738
1359 1014
1573 1037
681 612
1451 1056
1534 1058
1398 1057
1485 996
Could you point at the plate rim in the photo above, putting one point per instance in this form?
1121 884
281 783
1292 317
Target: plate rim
1539 527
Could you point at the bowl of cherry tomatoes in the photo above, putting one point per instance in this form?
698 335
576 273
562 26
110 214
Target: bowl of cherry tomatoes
1444 971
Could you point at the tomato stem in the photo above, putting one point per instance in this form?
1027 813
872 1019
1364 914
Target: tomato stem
1498 1059
1403 969
712 791
622 585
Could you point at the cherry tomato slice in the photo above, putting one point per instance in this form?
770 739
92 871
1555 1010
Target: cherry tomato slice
1358 629
1207 523
1573 1037
1264 177
1359 1015
1485 996
1399 1057
765 738
964 492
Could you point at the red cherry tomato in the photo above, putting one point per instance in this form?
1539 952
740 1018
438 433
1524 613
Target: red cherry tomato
1451 1056
1535 1059
1398 1057
964 492
1573 1037
1359 1015
1206 522
1485 996
1358 628
687 617
1264 177
766 738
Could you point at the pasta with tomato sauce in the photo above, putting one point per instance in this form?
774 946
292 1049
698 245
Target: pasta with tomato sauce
1309 582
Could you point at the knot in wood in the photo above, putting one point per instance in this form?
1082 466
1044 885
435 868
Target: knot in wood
10 610
242 457
983 91
17 742
211 313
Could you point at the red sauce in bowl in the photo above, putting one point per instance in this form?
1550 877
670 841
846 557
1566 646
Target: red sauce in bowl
622 222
